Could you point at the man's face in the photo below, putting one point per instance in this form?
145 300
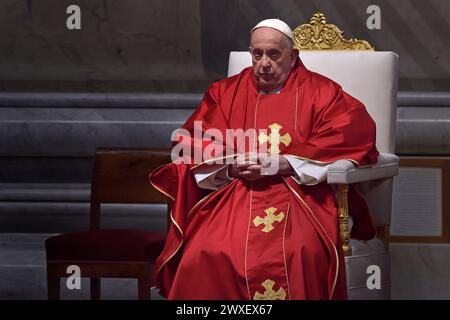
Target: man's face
272 58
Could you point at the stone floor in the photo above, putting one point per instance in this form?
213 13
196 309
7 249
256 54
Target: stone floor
418 271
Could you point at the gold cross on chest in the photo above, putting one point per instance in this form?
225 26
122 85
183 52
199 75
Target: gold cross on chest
270 294
274 138
269 219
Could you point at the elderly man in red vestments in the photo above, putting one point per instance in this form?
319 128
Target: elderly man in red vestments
238 232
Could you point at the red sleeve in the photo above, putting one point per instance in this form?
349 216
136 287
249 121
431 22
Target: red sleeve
342 128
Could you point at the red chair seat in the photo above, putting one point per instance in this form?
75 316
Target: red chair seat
106 245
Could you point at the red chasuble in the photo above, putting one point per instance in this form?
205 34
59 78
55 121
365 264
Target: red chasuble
273 238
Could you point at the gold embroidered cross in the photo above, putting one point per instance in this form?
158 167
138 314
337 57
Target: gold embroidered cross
269 219
270 294
274 138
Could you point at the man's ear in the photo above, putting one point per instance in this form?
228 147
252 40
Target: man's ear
294 53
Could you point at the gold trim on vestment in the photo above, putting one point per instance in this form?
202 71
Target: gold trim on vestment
284 250
160 190
176 250
256 111
167 195
296 107
171 219
207 197
246 241
326 234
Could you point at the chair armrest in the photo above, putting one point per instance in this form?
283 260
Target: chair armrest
345 171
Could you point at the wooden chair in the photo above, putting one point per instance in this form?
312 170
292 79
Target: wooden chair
118 176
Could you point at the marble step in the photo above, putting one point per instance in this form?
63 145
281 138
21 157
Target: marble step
33 216
72 125
53 192
62 207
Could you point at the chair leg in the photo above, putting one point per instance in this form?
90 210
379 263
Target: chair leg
96 288
53 285
144 292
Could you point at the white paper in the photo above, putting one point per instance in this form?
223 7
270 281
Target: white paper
417 202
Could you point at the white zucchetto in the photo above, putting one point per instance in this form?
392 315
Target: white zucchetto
276 24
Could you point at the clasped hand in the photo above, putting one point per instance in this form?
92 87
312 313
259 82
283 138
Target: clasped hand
255 166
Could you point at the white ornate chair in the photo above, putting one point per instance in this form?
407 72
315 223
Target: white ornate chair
371 77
